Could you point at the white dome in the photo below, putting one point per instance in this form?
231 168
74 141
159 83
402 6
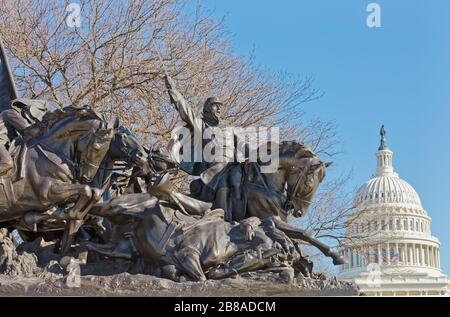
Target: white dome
387 189
388 229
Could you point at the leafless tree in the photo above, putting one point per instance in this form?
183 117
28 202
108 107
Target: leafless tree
115 61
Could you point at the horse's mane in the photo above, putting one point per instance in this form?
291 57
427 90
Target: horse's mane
50 118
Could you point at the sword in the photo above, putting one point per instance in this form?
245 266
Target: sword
158 53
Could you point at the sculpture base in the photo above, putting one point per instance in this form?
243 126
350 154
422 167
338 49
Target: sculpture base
33 269
125 284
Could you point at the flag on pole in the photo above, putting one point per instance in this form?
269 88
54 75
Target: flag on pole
8 90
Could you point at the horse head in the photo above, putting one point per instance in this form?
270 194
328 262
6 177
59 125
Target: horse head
94 150
160 160
304 171
76 134
126 147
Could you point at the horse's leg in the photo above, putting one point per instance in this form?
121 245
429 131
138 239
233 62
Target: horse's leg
296 233
244 263
189 260
87 197
108 249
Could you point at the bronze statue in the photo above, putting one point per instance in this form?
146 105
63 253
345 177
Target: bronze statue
197 247
383 141
51 170
67 171
197 125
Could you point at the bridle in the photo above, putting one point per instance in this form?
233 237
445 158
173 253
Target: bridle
97 143
301 179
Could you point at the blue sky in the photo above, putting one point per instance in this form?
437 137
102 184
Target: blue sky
398 75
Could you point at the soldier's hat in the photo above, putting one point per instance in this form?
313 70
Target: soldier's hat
36 107
212 101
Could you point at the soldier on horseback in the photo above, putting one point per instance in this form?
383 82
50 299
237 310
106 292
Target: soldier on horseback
13 122
221 171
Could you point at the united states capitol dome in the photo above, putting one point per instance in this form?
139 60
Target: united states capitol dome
386 186
389 232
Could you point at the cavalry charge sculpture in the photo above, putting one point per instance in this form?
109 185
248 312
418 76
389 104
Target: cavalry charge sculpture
60 184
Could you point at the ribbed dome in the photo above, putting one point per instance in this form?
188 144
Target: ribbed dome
387 189
386 186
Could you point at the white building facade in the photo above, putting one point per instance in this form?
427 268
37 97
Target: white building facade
389 248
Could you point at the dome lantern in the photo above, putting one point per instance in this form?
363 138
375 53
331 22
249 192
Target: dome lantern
384 157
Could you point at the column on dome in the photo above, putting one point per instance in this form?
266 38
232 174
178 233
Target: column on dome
422 249
380 260
388 254
416 258
405 261
435 257
430 255
397 254
419 260
401 258
438 258
405 253
433 254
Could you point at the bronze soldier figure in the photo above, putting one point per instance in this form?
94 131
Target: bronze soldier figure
13 122
197 125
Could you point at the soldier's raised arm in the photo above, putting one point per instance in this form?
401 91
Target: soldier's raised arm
187 114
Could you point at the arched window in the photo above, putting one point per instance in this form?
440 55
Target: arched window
383 224
417 226
405 224
421 226
398 224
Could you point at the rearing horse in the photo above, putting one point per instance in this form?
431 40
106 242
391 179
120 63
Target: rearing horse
47 165
54 164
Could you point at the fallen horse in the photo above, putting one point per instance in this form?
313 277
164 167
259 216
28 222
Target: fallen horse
197 247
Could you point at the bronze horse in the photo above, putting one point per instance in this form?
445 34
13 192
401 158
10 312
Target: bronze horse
247 192
242 190
149 230
54 164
